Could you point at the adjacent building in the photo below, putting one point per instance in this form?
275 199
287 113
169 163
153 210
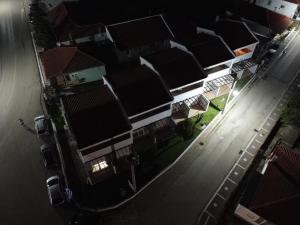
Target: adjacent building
242 43
215 57
66 67
99 133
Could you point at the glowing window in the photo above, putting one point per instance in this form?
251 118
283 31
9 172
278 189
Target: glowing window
100 165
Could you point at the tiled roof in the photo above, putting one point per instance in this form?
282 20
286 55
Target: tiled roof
278 194
95 116
139 32
139 89
176 67
209 50
61 60
235 33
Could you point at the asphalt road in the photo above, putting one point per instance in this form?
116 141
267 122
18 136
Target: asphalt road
179 196
23 195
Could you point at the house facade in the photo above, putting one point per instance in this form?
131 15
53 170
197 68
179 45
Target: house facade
184 78
99 133
146 100
216 59
242 42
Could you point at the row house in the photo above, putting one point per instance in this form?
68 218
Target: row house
242 43
215 57
147 103
67 67
99 132
183 77
139 37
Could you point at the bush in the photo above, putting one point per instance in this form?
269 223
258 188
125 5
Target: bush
186 129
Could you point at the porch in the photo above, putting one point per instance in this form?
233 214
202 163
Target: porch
244 68
189 108
218 87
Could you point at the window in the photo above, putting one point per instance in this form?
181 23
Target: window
98 165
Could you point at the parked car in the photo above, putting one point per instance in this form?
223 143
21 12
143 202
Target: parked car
48 154
56 196
41 125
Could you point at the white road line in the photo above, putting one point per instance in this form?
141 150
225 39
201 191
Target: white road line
206 220
231 181
236 173
249 153
221 196
258 141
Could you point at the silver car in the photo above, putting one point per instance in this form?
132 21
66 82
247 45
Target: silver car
41 125
55 193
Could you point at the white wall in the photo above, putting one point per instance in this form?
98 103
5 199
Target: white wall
245 56
107 149
95 154
152 119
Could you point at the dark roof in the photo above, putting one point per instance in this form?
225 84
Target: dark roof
68 22
235 33
209 50
103 51
139 89
181 27
140 32
95 116
62 60
277 196
176 67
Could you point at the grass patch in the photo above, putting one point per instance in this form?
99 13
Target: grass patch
208 116
220 101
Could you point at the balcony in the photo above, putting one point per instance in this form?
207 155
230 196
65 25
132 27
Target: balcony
189 108
218 87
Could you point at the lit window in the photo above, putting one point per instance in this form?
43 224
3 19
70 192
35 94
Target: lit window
103 165
99 166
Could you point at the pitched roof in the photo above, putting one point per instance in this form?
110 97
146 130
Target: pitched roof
95 116
235 33
139 32
176 67
61 60
278 195
209 50
139 89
